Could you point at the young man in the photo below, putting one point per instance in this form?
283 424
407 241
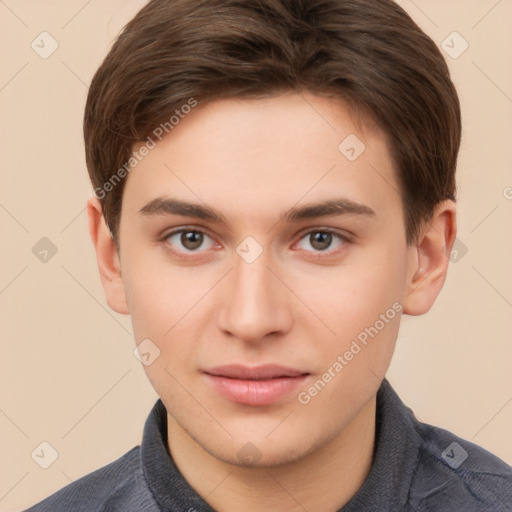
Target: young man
274 185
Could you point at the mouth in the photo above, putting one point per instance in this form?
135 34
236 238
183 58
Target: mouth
260 385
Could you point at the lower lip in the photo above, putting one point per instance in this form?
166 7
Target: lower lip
255 392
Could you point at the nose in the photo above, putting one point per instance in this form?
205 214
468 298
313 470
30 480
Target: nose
255 303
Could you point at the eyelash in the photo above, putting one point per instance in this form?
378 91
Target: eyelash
345 240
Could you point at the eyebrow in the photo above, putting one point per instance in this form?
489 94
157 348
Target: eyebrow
329 207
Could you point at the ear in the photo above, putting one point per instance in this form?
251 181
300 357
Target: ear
108 260
428 259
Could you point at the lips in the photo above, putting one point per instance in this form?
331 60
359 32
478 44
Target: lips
260 385
268 371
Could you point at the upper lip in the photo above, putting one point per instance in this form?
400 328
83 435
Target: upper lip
266 371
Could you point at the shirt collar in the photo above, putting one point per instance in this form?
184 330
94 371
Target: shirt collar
170 490
396 456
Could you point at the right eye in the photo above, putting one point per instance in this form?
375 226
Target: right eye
188 240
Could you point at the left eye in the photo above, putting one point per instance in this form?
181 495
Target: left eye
190 240
322 240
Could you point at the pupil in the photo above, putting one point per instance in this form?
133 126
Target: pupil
191 239
321 240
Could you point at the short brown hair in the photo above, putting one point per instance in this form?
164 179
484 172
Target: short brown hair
367 52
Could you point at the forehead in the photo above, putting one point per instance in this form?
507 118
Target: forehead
260 156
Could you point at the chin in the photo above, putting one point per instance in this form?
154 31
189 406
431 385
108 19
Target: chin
253 456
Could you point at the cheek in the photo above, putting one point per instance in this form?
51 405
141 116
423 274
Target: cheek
167 306
361 303
152 306
353 364
354 296
158 295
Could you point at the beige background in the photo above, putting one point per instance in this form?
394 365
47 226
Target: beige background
68 373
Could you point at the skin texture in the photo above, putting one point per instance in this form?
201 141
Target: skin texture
295 305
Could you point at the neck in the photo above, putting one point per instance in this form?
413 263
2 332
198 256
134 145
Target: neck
324 480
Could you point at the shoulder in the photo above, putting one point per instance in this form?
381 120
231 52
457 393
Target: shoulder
119 485
453 474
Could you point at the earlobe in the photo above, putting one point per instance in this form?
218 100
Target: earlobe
107 258
429 259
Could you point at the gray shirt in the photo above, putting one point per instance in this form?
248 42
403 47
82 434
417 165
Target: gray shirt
416 467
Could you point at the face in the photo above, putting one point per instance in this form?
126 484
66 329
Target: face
274 301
